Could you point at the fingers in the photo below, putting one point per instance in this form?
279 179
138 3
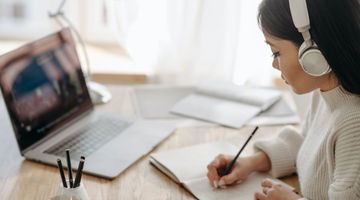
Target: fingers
268 183
229 179
266 189
273 190
260 196
219 162
213 177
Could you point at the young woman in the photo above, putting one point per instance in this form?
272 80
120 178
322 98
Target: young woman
316 46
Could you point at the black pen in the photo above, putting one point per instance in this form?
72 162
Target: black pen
79 172
62 175
69 167
227 170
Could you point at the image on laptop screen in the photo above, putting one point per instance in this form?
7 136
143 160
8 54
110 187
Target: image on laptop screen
43 87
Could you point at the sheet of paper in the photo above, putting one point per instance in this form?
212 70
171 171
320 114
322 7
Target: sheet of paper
220 111
257 96
202 189
191 162
156 101
269 120
189 165
277 114
279 108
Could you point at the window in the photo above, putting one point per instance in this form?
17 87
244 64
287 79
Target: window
184 38
91 18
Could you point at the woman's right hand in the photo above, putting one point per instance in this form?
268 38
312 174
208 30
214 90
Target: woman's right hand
241 170
243 167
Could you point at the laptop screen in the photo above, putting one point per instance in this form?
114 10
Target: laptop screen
43 87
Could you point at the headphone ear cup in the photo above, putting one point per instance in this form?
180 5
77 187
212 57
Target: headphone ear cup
312 61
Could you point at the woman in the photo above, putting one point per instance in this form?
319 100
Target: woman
326 154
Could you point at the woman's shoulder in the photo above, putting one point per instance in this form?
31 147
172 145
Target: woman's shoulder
345 130
346 119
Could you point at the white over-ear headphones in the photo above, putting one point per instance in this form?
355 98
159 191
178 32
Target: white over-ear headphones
310 57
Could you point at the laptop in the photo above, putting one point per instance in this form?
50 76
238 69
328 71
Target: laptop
50 110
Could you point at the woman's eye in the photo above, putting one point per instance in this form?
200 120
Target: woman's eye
275 54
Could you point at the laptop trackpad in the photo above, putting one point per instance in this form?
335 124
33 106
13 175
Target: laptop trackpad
136 141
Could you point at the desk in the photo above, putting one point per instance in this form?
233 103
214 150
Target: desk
22 179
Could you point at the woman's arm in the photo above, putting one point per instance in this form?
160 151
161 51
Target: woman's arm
261 162
281 151
346 159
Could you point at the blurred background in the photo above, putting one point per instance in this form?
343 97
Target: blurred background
157 41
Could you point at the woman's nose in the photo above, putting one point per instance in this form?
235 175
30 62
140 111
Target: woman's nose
275 63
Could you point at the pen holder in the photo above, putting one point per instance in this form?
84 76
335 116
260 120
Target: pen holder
78 192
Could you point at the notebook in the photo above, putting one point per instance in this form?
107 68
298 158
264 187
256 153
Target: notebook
156 101
225 103
188 167
277 114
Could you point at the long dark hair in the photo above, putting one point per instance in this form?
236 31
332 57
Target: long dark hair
335 28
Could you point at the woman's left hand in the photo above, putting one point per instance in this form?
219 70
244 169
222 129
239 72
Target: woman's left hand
275 191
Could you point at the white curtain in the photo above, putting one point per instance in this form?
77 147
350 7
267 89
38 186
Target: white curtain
253 61
185 41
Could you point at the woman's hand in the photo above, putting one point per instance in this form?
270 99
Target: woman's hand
241 170
275 191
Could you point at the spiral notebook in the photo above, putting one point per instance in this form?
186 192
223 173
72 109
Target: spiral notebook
188 167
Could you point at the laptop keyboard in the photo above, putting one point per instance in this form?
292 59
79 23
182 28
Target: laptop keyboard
90 138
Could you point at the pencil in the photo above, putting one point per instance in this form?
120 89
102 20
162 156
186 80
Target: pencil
79 172
62 175
228 169
69 167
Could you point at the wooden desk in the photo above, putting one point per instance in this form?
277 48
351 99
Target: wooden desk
21 179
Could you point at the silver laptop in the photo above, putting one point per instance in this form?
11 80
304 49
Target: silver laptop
50 110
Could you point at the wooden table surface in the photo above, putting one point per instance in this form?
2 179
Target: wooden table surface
21 179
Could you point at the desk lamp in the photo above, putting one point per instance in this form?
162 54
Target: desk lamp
99 93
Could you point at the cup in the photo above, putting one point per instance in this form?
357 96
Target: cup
78 192
64 198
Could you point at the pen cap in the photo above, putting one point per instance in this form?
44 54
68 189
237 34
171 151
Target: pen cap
78 192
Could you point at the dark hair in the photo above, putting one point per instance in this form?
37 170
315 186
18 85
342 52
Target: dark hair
335 28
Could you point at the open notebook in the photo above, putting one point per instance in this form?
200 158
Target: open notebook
188 166
226 104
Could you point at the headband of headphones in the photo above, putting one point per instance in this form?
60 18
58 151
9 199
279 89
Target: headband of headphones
310 57
300 17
